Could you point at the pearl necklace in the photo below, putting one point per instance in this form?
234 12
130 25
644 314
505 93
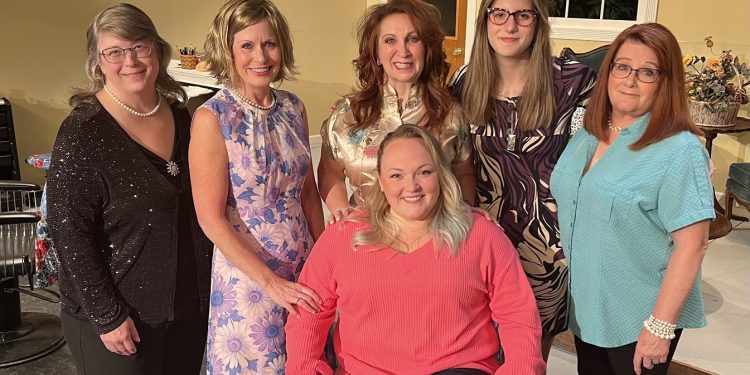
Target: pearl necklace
256 105
131 110
613 128
173 169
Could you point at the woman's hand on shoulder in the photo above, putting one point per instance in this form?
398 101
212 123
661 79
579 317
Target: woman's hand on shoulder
122 339
288 294
339 214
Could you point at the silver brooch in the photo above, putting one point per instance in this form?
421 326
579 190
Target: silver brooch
172 168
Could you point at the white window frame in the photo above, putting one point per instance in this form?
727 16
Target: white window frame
600 30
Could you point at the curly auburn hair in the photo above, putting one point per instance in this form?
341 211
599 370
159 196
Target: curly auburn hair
367 100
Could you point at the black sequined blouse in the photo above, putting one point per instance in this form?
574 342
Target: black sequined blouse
114 220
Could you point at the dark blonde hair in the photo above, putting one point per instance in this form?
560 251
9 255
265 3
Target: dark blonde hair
234 16
130 23
536 108
669 114
366 102
451 217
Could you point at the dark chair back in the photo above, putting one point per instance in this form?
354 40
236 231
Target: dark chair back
593 59
9 167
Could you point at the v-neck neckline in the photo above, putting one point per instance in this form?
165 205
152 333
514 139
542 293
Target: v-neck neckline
138 149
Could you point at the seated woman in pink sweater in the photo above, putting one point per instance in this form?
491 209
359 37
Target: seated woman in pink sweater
417 280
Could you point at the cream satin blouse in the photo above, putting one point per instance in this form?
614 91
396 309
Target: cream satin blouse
357 150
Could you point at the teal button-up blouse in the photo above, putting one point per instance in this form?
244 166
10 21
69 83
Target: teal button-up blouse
616 222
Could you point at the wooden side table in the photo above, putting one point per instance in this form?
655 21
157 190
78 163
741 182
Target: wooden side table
721 226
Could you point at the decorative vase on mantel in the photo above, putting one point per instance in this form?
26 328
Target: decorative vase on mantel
703 115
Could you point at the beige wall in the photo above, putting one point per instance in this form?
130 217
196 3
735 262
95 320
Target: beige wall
43 51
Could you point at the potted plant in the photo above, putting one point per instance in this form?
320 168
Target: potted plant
715 86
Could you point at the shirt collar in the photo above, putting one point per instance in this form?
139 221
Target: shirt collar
637 128
390 97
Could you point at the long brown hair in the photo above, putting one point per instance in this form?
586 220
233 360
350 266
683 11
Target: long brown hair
130 23
366 102
669 114
537 106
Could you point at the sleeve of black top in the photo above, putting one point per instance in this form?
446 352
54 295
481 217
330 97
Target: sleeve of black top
75 205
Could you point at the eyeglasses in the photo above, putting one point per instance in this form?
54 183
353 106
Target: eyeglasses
523 17
645 75
116 55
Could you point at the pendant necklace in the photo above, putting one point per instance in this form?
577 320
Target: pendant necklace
512 124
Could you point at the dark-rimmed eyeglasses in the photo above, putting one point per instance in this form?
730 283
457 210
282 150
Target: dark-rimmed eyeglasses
116 55
523 17
622 71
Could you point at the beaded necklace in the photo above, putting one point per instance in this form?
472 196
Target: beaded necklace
256 105
130 109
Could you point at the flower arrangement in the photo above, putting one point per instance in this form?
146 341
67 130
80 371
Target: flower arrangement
712 80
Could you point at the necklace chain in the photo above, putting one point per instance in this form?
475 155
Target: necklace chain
130 109
256 105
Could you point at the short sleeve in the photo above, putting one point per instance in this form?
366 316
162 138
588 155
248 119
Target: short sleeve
686 193
329 130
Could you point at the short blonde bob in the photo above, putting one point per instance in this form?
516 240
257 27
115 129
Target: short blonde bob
234 16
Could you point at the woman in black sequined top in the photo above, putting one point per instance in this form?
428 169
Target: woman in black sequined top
135 272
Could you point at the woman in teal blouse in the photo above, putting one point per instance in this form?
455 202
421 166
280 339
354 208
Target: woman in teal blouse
635 200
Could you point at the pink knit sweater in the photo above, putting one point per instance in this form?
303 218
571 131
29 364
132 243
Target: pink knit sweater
417 313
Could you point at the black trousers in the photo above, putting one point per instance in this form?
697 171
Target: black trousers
174 347
595 360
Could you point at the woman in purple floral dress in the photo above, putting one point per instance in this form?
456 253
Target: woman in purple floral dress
254 190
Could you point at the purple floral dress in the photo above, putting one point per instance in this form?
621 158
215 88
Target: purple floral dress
269 156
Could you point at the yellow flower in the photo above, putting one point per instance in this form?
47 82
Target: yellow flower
687 60
714 65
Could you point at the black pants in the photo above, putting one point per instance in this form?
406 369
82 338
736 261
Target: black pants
596 360
174 347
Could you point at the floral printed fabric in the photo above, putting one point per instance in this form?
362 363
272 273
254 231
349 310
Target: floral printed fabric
45 257
269 157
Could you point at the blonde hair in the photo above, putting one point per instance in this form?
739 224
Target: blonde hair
127 22
450 219
234 16
536 108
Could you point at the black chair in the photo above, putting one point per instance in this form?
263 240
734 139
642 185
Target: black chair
29 335
9 167
593 59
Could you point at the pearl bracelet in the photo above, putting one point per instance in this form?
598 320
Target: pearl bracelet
660 328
